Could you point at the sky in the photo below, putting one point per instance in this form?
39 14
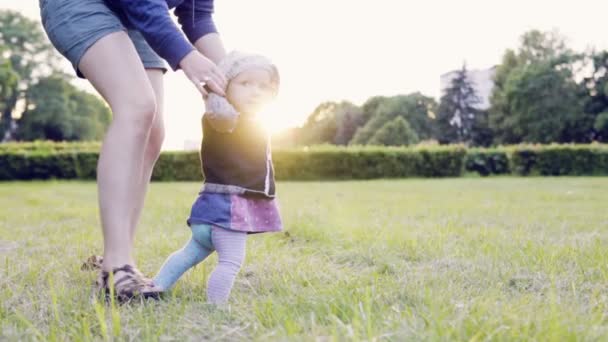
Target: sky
334 50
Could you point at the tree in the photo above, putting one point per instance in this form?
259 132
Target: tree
601 126
542 46
58 111
499 113
370 107
544 106
595 87
349 118
332 123
8 80
396 132
415 108
481 134
29 56
457 111
535 97
536 46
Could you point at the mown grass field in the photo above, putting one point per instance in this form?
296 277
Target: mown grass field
421 259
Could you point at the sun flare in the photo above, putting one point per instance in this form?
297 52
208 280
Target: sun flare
275 118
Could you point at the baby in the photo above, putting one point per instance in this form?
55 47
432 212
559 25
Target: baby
238 194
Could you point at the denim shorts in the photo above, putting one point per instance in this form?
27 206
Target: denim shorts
73 26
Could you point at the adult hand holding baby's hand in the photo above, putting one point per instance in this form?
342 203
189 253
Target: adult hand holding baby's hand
203 73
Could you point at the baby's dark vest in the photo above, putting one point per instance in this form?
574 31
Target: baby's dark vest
240 159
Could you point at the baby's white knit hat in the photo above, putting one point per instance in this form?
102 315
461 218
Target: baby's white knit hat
219 112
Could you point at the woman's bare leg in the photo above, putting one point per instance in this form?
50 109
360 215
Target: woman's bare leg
152 149
115 70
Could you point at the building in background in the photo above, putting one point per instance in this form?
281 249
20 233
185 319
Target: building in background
481 79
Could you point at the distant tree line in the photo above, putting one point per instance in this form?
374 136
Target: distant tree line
543 92
37 100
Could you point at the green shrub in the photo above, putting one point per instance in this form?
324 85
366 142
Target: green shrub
600 161
178 166
37 165
43 160
86 165
487 161
359 162
559 160
49 146
523 160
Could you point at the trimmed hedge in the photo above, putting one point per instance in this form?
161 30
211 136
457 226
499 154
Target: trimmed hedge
304 164
540 160
559 160
367 163
50 146
64 161
487 162
38 165
178 166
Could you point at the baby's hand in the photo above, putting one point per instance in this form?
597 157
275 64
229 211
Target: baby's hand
220 113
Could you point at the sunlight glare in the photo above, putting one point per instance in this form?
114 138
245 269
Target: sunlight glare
275 117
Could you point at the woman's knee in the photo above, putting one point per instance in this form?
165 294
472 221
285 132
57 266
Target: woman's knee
137 112
114 69
157 136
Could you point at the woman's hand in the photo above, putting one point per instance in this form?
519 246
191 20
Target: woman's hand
205 75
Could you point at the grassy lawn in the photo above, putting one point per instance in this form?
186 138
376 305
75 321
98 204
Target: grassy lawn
449 259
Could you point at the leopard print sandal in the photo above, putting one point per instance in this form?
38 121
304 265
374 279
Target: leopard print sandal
94 262
131 285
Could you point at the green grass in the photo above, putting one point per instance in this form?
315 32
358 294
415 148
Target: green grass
451 259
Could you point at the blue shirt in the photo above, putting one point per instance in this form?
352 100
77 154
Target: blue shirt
152 19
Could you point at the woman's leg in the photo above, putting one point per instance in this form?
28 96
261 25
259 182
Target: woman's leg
115 70
230 246
152 148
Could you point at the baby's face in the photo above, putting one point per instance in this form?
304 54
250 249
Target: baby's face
250 90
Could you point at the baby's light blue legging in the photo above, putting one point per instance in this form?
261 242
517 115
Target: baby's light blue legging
230 246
